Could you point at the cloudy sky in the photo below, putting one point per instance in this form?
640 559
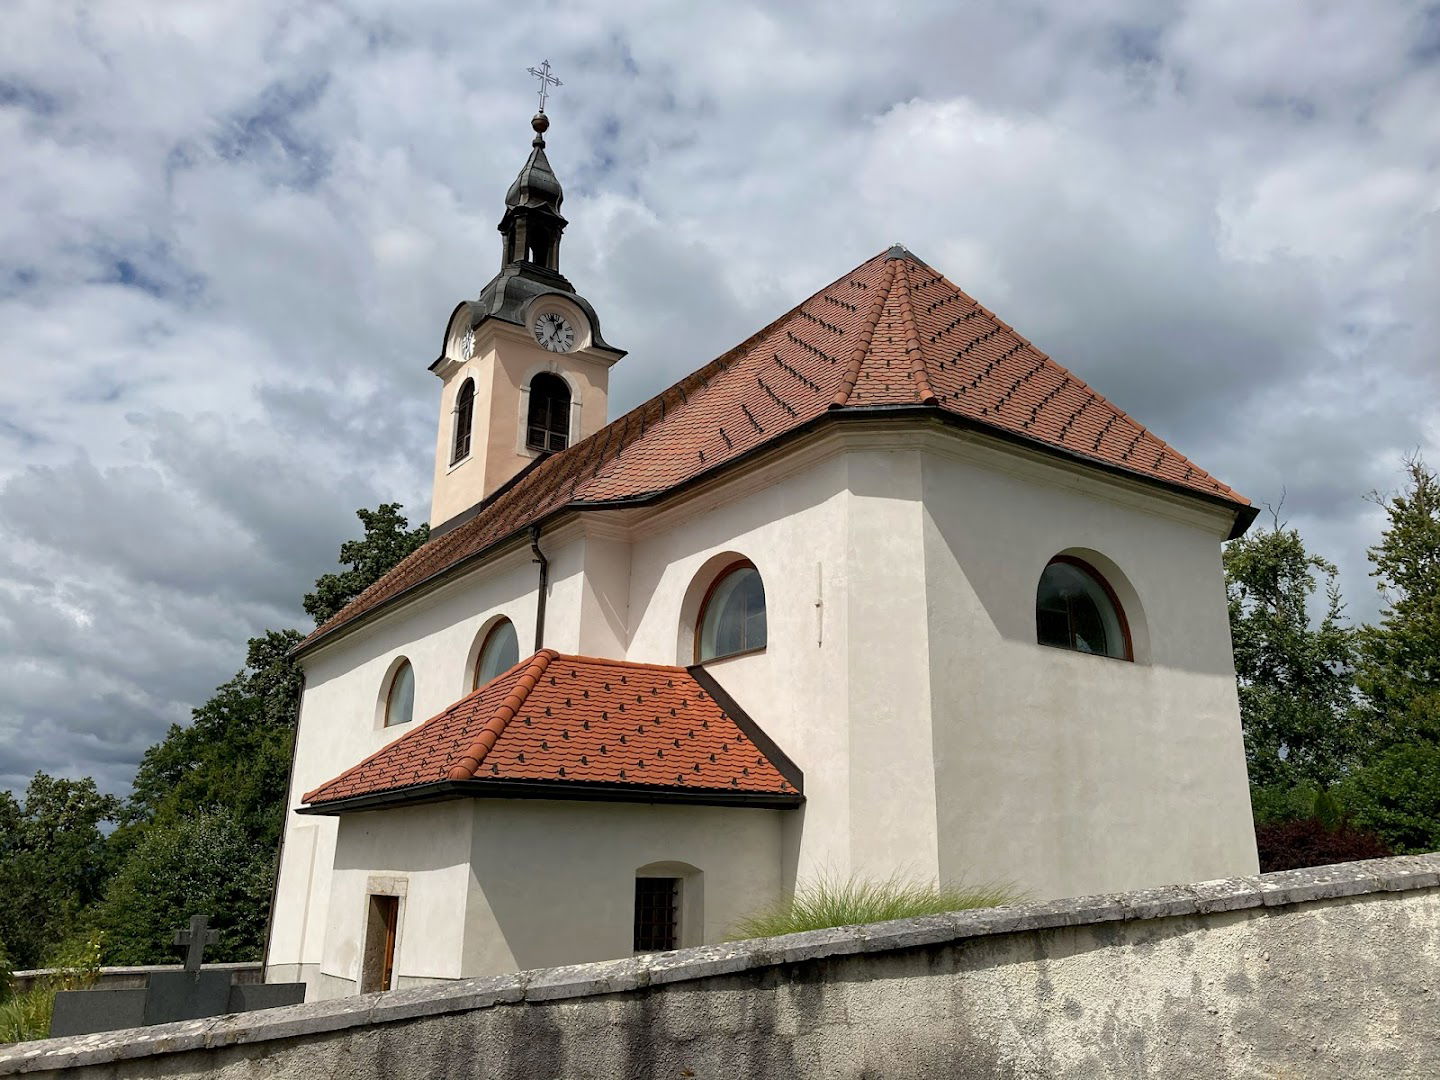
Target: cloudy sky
230 236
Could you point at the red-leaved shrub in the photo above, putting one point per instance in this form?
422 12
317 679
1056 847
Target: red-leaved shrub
1289 845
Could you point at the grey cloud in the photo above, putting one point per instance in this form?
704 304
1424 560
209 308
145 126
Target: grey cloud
229 242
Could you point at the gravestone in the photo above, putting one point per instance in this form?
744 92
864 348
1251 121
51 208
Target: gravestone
189 994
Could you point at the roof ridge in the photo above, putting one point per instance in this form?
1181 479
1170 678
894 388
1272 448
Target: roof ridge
918 371
465 767
867 334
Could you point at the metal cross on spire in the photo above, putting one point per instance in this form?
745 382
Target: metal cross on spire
546 80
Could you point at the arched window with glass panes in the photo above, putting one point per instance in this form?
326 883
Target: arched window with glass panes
400 697
464 421
732 616
499 653
1075 608
547 424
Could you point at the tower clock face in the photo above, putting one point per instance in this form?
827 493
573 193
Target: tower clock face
554 332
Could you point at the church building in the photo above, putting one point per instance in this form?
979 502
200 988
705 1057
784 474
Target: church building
882 590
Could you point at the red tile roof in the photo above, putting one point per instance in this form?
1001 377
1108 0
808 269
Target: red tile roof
578 720
892 332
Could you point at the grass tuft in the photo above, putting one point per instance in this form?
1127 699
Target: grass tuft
25 1015
828 901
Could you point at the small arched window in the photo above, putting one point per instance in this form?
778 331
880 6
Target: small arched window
464 421
500 653
1075 608
732 617
400 701
547 428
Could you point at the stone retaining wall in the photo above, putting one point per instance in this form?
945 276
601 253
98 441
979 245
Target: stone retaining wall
1326 972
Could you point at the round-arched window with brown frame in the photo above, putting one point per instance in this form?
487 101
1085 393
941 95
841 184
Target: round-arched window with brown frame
1075 608
499 653
732 615
400 699
464 421
547 421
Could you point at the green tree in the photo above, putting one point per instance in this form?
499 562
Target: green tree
1295 674
1397 792
235 754
232 762
1399 668
388 539
7 970
204 863
53 862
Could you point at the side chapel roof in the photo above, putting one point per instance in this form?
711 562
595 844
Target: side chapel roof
892 334
562 726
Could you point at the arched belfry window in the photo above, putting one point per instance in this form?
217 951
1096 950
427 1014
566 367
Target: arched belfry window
500 653
400 699
547 428
1075 608
464 420
732 617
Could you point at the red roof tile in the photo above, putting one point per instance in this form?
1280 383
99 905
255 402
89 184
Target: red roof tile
578 720
891 332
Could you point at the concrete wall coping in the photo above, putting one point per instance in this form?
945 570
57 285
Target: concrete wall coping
141 969
1266 891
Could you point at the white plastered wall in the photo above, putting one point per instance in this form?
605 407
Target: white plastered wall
420 854
901 674
554 882
1065 773
341 725
794 531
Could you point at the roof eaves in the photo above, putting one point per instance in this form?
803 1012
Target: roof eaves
425 584
565 790
1245 513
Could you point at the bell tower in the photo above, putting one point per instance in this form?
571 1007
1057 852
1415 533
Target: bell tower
523 368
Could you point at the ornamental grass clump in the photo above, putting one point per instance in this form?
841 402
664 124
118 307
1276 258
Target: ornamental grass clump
828 901
25 1014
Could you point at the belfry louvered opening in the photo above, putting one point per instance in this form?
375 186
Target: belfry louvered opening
547 427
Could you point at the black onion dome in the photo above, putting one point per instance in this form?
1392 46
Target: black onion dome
536 184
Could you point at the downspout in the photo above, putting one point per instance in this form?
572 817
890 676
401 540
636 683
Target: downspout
544 586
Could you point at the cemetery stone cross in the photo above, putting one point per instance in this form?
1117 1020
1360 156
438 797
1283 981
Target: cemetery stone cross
191 994
195 939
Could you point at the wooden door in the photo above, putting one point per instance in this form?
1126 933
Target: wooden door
378 970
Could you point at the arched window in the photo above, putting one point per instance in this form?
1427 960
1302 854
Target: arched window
732 617
400 701
500 653
464 420
1075 608
547 428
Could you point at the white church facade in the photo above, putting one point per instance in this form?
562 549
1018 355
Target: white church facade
883 590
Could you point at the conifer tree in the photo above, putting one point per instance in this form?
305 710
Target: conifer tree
1397 793
1399 668
1294 673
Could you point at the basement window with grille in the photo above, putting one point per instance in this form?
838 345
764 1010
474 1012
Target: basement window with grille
657 913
